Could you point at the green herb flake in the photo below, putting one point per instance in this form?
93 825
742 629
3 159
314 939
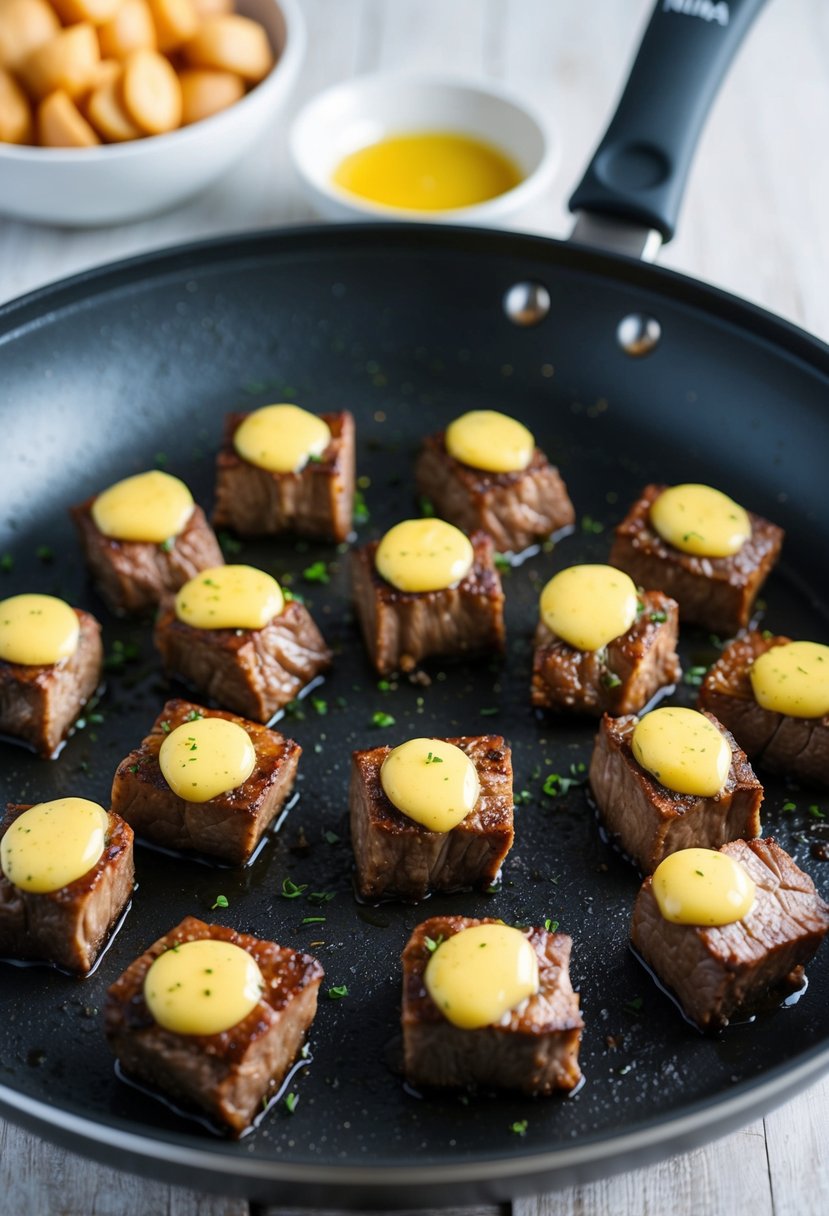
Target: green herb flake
229 545
361 513
519 1127
317 572
432 943
320 897
433 759
312 920
634 1005
658 618
788 807
290 889
502 562
337 992
551 925
381 719
221 902
694 676
489 711
816 812
290 1101
166 546
330 837
591 525
610 680
320 706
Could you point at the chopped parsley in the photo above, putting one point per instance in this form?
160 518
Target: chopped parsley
427 507
379 718
337 992
320 897
317 572
502 562
433 759
361 512
551 925
816 812
788 807
313 920
290 890
489 711
166 546
658 618
519 1127
610 680
591 525
694 676
221 902
330 837
432 943
290 1102
320 706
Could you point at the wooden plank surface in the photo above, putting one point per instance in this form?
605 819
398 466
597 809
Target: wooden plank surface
755 221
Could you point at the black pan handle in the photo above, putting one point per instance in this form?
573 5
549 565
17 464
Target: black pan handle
639 169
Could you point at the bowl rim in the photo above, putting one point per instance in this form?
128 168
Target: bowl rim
283 70
507 201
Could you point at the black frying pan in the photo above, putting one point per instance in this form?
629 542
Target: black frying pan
116 369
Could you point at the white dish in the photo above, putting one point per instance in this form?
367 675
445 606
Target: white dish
85 187
368 108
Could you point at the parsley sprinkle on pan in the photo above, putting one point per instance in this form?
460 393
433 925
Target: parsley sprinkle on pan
221 902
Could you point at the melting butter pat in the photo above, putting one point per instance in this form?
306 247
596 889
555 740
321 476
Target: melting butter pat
424 555
432 782
702 887
230 597
53 844
683 750
205 758
150 507
480 974
485 439
203 987
700 520
281 438
37 630
793 679
589 606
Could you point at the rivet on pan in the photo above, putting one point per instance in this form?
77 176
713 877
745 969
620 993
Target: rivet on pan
638 334
527 303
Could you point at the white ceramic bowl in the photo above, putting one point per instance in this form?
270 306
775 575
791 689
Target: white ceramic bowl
368 108
84 187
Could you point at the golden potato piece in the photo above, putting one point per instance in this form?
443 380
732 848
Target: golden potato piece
16 122
205 92
131 29
151 92
108 115
209 8
106 70
66 62
94 11
232 44
175 22
24 26
60 123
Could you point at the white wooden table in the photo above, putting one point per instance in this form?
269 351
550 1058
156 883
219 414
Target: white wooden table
755 221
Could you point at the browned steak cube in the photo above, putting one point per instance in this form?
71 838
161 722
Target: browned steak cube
798 747
402 628
399 858
229 825
68 927
622 677
715 592
134 576
715 973
647 820
534 1048
38 705
226 1074
516 509
252 671
317 502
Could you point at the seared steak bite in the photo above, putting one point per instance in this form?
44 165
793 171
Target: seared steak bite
718 972
798 747
38 705
134 576
715 592
228 1074
516 509
402 628
399 858
70 926
252 671
533 1048
647 820
229 825
618 679
316 502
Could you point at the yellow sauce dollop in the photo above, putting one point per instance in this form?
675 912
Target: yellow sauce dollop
793 679
203 987
205 758
424 555
150 507
281 438
432 782
53 844
230 597
37 630
480 974
427 171
683 750
702 887
485 439
589 606
700 520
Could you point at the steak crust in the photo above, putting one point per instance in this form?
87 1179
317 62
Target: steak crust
715 592
70 926
317 502
715 973
38 705
230 825
399 858
516 509
798 747
226 1074
534 1048
648 821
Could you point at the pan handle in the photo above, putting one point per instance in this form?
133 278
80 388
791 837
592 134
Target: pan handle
631 192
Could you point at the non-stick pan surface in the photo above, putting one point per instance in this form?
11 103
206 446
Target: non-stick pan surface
136 365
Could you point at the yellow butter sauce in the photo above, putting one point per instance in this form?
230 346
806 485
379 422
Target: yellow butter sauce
489 440
53 844
428 171
424 555
281 438
481 973
432 782
37 630
205 758
700 520
793 679
588 606
702 887
203 987
150 507
683 750
229 597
